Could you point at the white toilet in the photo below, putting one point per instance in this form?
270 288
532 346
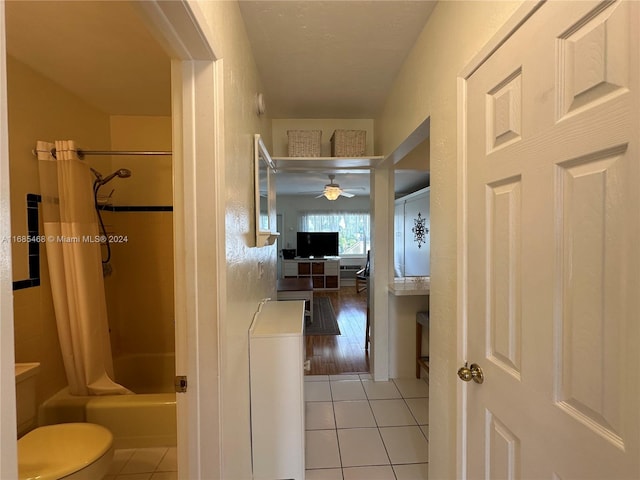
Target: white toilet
70 451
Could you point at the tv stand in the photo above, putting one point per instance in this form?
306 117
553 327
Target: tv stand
323 271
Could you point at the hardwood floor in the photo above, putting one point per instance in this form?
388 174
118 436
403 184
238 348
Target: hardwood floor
345 353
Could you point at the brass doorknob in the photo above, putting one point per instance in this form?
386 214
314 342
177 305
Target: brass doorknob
474 373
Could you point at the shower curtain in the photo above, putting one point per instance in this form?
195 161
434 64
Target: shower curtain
75 270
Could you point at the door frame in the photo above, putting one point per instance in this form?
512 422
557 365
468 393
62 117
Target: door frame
199 238
520 16
8 426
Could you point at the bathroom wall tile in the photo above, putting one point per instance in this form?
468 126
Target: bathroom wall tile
142 283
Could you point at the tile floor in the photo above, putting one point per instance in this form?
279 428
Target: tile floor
144 464
357 429
361 429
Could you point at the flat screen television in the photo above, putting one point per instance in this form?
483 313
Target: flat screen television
317 244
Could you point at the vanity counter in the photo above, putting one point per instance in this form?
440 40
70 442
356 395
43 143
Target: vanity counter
405 286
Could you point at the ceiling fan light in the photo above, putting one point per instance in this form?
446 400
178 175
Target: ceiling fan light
332 193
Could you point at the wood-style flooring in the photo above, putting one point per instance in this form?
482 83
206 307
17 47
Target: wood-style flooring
345 353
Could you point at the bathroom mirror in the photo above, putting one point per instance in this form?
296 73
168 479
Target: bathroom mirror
265 194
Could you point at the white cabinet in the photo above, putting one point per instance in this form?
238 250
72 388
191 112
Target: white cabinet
276 356
325 272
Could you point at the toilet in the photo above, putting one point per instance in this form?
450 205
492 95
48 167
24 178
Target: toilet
70 451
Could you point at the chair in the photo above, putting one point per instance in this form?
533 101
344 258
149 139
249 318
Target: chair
362 276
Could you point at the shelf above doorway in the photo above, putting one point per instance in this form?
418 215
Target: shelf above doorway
305 163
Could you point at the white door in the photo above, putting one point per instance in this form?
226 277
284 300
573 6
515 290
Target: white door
552 248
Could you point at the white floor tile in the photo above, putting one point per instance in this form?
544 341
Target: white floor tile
144 460
323 474
353 414
405 444
420 409
134 476
317 392
321 449
120 458
344 376
412 387
383 472
361 447
319 416
316 378
347 390
380 390
416 471
169 462
164 476
392 413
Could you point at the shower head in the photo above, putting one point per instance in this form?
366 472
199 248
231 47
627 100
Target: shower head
121 173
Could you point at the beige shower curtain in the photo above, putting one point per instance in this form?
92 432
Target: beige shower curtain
75 270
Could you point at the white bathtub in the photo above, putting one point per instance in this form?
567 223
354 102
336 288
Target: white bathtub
146 419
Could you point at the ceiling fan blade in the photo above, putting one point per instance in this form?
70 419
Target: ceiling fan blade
346 194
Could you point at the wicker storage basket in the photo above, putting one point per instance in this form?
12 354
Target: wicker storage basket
348 143
304 143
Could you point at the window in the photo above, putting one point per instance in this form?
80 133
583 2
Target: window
352 227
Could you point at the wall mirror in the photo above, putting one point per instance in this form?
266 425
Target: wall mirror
266 232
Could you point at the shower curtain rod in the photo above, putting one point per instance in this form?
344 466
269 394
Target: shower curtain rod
81 153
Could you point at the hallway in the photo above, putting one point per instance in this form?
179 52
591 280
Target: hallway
344 353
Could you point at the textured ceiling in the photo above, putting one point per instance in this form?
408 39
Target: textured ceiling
316 59
331 59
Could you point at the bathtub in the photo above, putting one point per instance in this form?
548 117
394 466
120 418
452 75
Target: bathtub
146 419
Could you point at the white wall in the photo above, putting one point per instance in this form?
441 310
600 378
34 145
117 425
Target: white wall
244 285
427 87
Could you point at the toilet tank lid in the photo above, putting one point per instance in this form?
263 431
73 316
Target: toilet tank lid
26 370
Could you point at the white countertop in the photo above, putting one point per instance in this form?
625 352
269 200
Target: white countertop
279 318
405 286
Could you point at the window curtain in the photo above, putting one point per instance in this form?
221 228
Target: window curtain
75 270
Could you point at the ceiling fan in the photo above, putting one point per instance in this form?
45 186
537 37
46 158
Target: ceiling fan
332 190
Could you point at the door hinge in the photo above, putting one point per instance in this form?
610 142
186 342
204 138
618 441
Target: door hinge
180 383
